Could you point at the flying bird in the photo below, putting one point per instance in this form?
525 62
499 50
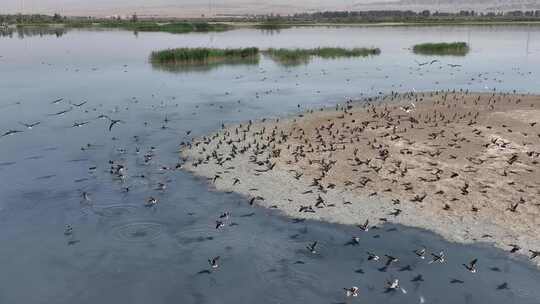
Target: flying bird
10 132
30 125
114 122
471 267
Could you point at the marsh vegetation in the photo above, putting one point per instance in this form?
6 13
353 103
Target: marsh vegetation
174 59
188 59
443 48
300 56
173 27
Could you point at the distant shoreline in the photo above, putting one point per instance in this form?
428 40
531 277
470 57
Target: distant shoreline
232 25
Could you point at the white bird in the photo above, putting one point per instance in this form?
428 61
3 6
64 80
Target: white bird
408 108
214 262
421 253
351 292
151 202
394 285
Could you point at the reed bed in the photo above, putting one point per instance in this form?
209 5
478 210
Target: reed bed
452 48
189 56
298 56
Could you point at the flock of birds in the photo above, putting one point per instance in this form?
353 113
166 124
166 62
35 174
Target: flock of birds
365 148
268 144
76 124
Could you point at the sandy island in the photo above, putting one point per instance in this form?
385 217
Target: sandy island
461 164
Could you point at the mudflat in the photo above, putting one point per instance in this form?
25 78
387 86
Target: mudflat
462 164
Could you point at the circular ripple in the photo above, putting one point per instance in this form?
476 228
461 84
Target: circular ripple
138 232
114 210
197 233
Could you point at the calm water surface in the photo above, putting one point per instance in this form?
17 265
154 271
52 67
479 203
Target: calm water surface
123 252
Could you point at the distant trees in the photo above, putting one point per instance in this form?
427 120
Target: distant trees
56 17
412 16
324 16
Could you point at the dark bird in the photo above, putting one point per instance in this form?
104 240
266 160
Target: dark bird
372 256
57 100
61 112
365 226
151 202
351 292
503 286
80 104
513 207
30 125
354 241
11 132
419 198
312 247
534 254
418 278
214 262
471 267
390 259
113 123
420 253
437 258
515 248
79 124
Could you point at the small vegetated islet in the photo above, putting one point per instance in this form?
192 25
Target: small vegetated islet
443 48
304 55
203 55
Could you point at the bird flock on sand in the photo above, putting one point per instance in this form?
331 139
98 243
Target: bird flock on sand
460 158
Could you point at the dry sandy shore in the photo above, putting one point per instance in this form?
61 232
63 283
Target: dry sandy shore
463 165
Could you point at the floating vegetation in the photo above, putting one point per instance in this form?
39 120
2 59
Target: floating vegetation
174 27
302 56
181 58
452 48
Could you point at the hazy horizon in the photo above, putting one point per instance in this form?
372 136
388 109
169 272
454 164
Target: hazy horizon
181 8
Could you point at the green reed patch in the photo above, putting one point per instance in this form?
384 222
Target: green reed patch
298 56
452 48
189 56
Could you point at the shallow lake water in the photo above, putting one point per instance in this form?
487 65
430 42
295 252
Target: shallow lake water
123 252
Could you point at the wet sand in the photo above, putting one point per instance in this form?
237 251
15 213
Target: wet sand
463 165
